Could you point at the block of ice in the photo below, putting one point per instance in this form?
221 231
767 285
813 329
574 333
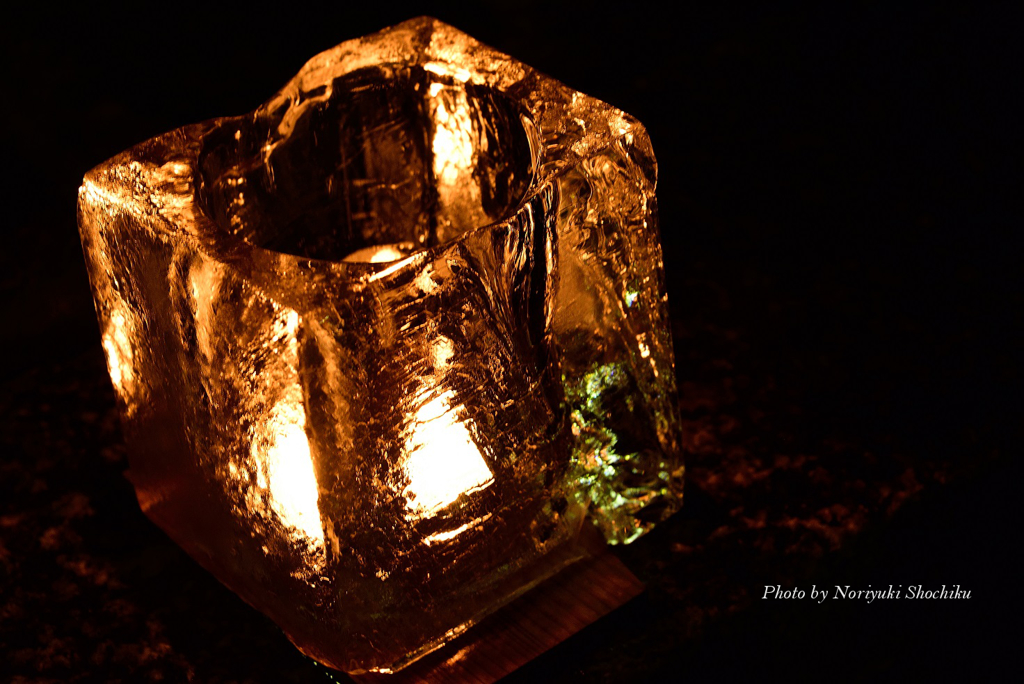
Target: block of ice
383 345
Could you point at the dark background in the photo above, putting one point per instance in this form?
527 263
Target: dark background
839 212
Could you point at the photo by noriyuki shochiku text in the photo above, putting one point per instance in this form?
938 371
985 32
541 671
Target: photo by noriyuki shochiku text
869 594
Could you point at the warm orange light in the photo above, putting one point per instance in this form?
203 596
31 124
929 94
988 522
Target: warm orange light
443 462
379 254
117 345
454 146
448 535
277 479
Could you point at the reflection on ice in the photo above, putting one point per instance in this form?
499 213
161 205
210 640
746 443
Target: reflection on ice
117 345
289 471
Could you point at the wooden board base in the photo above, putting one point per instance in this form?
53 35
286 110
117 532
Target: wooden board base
537 621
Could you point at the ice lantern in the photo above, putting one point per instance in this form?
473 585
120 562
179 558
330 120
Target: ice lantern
387 346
